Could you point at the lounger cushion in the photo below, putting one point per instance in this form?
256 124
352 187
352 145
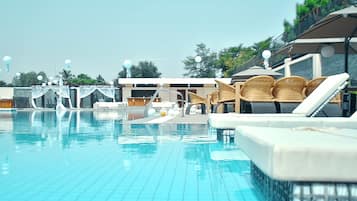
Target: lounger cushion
302 154
229 121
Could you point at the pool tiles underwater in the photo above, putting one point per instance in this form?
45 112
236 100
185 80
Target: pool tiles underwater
172 162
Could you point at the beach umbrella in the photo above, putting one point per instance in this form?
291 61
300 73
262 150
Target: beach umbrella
338 24
341 23
253 71
318 45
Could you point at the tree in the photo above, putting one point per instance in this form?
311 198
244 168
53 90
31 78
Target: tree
44 77
289 33
260 46
67 77
83 79
206 68
100 80
227 59
149 69
122 73
230 60
308 13
3 83
245 55
136 72
29 79
144 69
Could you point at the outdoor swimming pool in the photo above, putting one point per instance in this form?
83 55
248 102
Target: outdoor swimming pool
79 157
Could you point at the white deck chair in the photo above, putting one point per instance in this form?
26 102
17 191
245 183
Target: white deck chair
308 108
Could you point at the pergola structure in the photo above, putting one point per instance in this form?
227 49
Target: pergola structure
64 92
61 91
84 91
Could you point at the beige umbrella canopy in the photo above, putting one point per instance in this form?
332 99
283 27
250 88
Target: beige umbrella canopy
315 45
253 71
339 24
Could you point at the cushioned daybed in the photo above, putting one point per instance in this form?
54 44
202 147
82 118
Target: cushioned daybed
302 163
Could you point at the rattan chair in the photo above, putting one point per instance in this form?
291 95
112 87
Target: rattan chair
258 89
313 84
196 100
289 89
257 96
226 94
212 100
333 108
288 92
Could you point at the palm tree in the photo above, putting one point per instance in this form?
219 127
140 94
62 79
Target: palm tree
67 76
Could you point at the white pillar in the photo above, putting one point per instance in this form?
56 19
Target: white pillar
78 98
316 66
287 71
187 90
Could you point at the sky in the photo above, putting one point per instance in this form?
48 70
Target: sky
98 36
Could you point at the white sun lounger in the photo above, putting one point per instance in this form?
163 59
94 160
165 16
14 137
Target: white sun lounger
302 154
227 122
308 108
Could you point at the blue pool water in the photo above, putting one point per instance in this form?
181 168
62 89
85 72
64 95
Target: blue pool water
79 157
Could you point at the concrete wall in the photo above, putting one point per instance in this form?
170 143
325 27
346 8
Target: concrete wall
22 97
6 92
23 92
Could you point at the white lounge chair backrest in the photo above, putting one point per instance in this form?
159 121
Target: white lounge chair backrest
322 95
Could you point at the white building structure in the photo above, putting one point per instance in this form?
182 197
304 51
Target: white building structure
168 87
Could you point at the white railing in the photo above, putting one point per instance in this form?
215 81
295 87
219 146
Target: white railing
288 62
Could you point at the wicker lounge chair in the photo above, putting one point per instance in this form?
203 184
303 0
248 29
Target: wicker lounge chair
313 84
226 93
196 100
289 92
308 108
212 100
257 96
333 109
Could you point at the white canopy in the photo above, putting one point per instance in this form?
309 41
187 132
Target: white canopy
38 91
84 91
